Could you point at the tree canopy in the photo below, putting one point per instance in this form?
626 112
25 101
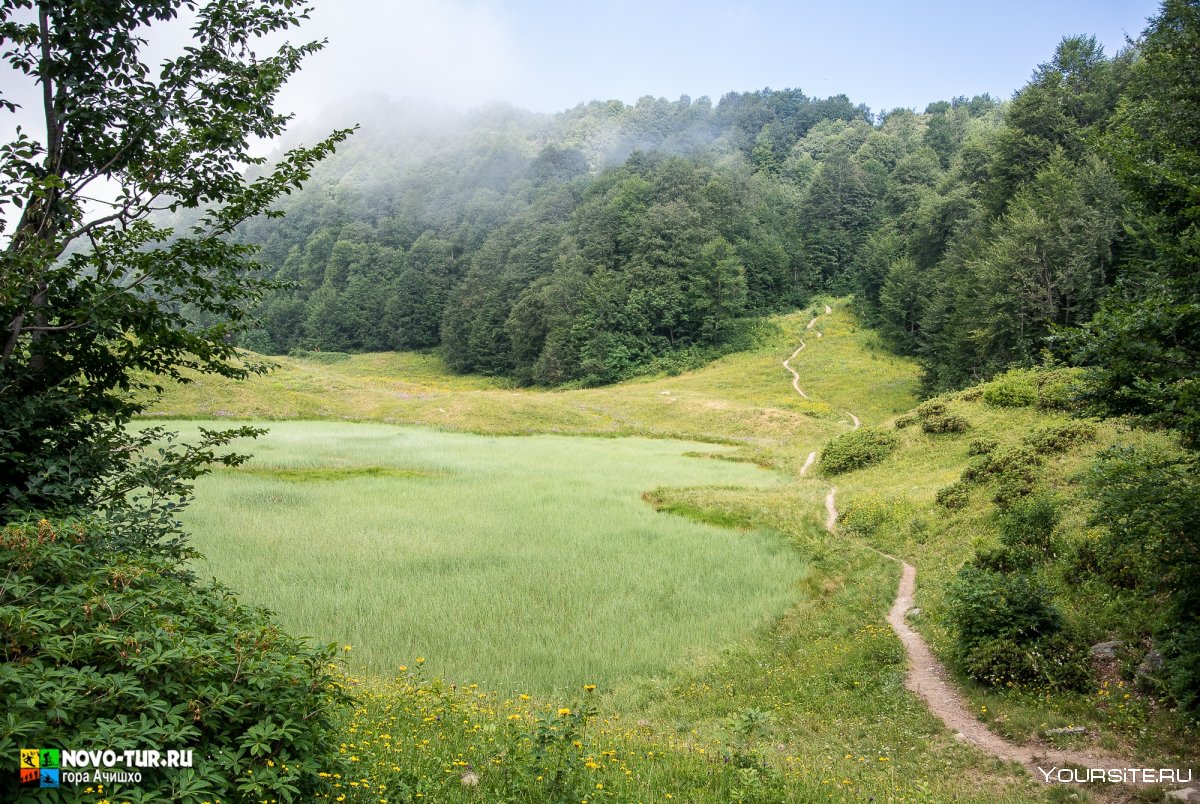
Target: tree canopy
94 290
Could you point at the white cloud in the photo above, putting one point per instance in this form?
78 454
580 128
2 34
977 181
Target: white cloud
453 52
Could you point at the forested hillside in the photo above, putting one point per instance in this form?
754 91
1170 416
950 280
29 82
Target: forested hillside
586 245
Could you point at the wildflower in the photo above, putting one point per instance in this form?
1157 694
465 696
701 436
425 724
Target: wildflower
524 696
469 779
564 711
347 648
589 687
420 660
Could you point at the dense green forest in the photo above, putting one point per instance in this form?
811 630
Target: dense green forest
579 246
586 245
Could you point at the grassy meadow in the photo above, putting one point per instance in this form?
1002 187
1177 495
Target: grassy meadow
799 697
518 563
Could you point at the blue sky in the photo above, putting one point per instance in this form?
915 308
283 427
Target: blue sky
549 56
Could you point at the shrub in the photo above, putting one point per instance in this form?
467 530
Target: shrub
1148 510
1059 389
1061 438
1015 469
955 496
1008 632
319 357
1030 524
907 420
1013 389
1014 487
1047 389
984 605
1007 558
1056 662
857 449
1017 461
936 419
972 394
126 653
982 446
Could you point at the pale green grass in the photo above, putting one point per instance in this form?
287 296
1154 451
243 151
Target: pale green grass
518 563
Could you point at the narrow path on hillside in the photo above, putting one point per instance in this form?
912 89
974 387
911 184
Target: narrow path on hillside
787 364
795 374
928 679
812 457
926 675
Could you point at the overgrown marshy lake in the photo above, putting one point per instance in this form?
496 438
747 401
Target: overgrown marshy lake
518 563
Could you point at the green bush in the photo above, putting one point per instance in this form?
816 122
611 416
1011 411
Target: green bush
936 419
1047 389
857 449
1055 662
907 420
1148 510
1058 389
318 356
982 446
1013 389
1019 461
1060 438
985 604
972 394
1008 632
955 496
1016 471
119 650
1030 523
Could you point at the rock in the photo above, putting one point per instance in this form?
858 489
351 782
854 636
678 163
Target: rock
1186 794
1067 730
1107 650
1151 664
913 613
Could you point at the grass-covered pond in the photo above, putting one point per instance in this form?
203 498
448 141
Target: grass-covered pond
518 563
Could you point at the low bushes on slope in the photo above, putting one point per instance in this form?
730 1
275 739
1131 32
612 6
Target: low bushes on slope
857 449
1046 389
117 650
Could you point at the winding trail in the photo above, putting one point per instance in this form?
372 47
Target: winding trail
787 364
812 457
795 374
928 679
927 676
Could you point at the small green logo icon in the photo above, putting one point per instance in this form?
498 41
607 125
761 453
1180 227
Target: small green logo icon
40 767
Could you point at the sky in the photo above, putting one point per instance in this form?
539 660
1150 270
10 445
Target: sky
549 56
